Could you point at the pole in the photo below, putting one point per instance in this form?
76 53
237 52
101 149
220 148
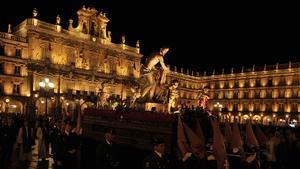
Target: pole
58 103
6 107
46 111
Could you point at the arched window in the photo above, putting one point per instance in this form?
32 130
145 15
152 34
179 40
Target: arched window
84 28
94 29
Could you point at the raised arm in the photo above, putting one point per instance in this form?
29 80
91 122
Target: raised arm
162 63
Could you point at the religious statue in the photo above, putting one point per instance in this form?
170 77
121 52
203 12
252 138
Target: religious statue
102 96
103 31
9 28
57 20
173 95
123 39
34 13
109 36
136 94
85 64
148 71
203 97
78 61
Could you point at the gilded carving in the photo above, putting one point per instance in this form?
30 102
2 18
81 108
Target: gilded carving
173 95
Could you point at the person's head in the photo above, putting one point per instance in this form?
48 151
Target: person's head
44 123
175 83
4 122
205 90
68 125
10 122
26 123
164 50
159 145
109 134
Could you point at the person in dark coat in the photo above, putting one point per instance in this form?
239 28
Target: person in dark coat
236 158
25 140
66 147
157 159
7 140
251 159
107 152
55 131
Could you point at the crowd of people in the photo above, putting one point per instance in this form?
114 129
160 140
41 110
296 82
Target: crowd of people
62 142
57 140
278 147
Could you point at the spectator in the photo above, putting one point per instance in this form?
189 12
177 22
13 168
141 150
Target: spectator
157 159
106 155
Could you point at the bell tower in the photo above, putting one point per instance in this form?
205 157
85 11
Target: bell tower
102 21
85 18
93 23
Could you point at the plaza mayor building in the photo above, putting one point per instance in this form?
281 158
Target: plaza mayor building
45 67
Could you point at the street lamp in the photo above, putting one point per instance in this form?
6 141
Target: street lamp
219 107
7 105
46 85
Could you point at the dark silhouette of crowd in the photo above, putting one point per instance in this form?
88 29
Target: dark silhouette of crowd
280 149
52 139
60 140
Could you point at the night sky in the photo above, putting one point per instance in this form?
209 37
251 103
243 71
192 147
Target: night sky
200 36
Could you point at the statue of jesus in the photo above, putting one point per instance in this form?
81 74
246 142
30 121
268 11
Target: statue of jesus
149 68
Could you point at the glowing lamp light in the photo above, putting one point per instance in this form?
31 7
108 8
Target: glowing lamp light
175 112
46 84
42 84
51 85
7 100
218 105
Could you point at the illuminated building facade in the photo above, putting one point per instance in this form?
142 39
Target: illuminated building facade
77 60
267 94
270 94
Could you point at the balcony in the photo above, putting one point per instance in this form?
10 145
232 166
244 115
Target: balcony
12 37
